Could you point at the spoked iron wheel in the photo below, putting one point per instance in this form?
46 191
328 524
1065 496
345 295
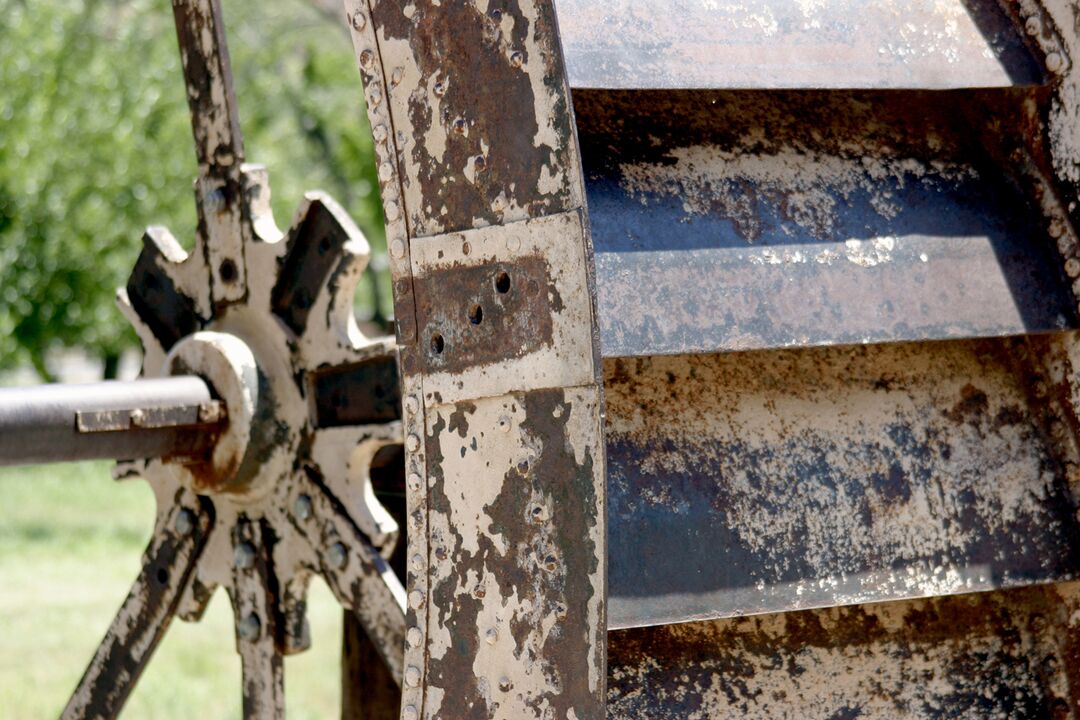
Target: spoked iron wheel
304 409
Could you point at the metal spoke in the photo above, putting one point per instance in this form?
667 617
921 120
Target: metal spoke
368 691
360 578
200 29
256 625
145 615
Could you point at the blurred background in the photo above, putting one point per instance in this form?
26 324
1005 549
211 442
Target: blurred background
95 144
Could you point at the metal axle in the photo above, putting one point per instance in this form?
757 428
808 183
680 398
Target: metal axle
114 419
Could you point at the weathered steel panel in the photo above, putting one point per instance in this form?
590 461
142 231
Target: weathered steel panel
924 44
1009 655
480 175
766 481
754 220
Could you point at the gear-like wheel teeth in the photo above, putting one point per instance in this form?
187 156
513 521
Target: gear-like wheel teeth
166 297
297 317
324 261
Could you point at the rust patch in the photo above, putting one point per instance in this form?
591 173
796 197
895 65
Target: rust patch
477 91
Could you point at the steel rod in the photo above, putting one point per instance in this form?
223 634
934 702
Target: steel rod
113 419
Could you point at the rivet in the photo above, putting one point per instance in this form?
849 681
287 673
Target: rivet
1053 62
551 563
1072 267
513 243
412 443
440 553
185 522
374 96
504 423
379 133
517 58
391 210
557 412
215 200
480 163
337 556
397 247
416 599
459 126
412 676
137 416
244 556
412 405
250 627
386 171
439 89
418 562
302 507
359 21
396 75
1056 229
505 684
415 481
491 636
414 637
1033 25
409 713
366 59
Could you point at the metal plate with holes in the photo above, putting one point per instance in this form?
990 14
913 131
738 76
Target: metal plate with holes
478 341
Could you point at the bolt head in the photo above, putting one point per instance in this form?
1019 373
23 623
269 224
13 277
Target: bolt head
302 507
337 556
250 627
185 522
244 556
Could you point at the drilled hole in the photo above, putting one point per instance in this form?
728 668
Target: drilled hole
162 576
437 343
502 282
476 314
227 271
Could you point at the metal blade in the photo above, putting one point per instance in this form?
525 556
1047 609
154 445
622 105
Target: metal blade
781 44
144 617
760 482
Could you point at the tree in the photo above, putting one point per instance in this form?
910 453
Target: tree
96 144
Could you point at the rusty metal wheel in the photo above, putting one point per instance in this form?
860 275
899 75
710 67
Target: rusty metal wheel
307 408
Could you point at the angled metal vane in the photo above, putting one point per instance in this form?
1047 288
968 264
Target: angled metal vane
283 492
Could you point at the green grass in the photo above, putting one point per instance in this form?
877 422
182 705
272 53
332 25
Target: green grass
70 544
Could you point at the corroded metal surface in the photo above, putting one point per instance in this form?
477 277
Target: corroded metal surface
931 44
755 220
480 178
835 476
1004 655
168 563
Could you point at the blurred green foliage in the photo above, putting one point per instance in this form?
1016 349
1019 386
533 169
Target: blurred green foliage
95 144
